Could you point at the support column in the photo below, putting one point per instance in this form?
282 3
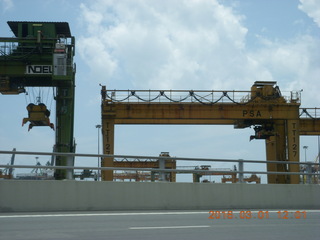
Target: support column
64 130
271 156
293 149
173 174
108 147
153 178
276 151
281 154
196 177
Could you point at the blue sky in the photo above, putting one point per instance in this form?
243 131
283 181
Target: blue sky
176 44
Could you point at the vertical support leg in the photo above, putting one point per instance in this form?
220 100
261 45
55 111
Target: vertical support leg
271 156
173 176
234 178
293 149
196 177
281 153
172 165
108 147
153 176
64 130
276 151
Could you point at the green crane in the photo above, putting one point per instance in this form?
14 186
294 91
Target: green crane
41 55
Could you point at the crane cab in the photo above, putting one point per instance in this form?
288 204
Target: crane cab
38 115
266 91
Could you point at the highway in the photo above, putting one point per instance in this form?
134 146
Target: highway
156 225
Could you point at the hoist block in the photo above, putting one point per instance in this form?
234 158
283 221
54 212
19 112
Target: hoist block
262 132
38 115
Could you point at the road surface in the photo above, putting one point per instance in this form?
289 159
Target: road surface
164 225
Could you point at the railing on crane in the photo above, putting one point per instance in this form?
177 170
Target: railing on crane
187 96
313 113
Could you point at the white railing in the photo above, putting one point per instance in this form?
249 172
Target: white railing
308 167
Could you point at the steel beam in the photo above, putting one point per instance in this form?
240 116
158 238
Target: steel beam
196 113
309 126
212 172
293 142
108 147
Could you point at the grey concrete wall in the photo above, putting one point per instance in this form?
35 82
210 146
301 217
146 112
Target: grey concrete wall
79 196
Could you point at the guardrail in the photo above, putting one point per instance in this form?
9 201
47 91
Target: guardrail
309 168
188 96
313 113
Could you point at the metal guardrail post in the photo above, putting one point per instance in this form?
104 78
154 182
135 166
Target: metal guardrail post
309 170
162 175
240 164
162 170
69 174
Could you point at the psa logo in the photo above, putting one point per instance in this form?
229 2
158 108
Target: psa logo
38 69
251 113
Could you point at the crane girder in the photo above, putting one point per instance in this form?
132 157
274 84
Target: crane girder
309 126
196 113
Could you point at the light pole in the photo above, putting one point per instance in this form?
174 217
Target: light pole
318 158
98 126
305 153
319 149
36 169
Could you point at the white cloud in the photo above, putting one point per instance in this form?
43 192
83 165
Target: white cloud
293 63
312 9
165 44
188 45
6 5
92 50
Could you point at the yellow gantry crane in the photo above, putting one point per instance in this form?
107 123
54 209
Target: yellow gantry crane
277 119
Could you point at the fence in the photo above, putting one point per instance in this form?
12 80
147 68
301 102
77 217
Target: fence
308 169
188 96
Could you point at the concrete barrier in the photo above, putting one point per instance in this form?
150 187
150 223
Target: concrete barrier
22 196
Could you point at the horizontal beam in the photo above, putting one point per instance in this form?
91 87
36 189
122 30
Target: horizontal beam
28 40
157 170
309 126
196 113
142 164
176 121
149 157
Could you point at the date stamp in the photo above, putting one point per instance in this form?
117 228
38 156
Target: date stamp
257 214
